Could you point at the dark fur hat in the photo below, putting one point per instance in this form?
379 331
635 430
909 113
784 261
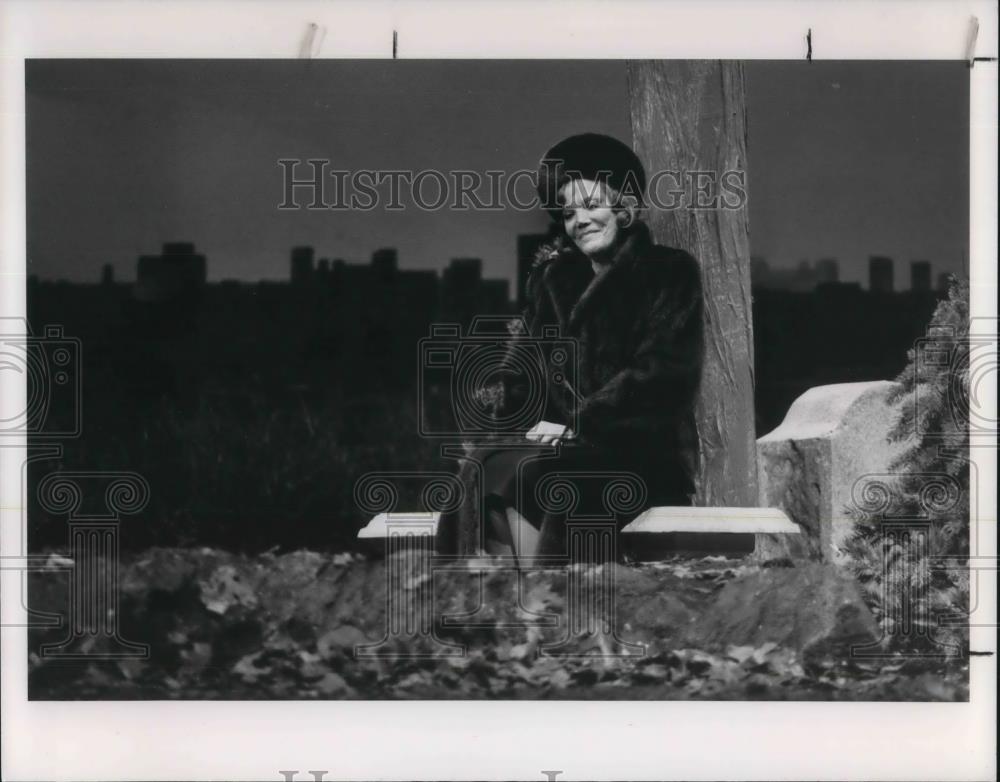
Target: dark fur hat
589 156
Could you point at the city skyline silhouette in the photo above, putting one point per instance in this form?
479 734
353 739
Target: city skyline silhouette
845 160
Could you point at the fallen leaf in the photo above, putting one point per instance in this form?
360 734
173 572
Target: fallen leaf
761 652
198 656
131 668
417 580
250 668
654 672
740 653
341 640
332 684
223 589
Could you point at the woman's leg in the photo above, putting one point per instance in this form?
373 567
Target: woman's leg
499 541
590 471
524 534
519 518
508 533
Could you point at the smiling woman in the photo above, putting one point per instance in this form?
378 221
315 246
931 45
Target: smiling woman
594 217
633 310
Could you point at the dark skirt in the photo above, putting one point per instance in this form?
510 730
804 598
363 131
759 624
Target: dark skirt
552 487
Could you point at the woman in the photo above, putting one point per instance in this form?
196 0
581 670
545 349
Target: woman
634 311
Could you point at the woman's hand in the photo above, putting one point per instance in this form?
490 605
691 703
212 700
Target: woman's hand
548 433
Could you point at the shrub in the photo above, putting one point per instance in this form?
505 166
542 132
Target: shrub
911 553
248 470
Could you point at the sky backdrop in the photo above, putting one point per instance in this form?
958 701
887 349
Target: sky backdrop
845 160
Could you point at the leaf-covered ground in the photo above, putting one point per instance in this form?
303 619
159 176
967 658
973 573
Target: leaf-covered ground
309 625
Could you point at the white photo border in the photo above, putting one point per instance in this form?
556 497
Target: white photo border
241 740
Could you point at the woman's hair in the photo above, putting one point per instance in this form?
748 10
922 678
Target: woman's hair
589 156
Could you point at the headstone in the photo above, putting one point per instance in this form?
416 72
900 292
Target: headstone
831 437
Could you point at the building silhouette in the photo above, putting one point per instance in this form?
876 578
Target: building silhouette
323 271
177 273
385 262
494 297
920 276
802 279
460 288
354 329
880 274
827 270
302 265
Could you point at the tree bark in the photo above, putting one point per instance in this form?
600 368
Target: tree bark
690 116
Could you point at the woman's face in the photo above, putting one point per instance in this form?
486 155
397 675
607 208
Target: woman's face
589 218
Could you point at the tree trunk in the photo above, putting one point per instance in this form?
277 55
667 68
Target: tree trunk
690 116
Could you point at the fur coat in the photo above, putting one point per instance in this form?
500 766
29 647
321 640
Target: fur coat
637 330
